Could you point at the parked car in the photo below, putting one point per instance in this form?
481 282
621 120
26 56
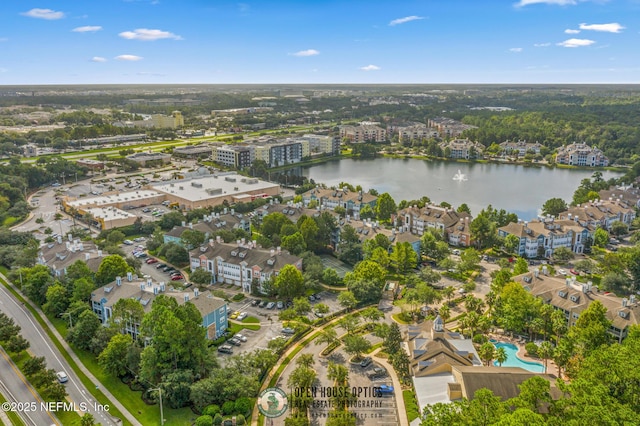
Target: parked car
234 341
311 298
377 372
62 377
242 316
289 304
255 302
241 337
271 305
263 304
318 314
128 242
280 305
574 272
225 349
456 252
234 315
385 389
317 296
146 210
160 265
177 278
288 330
366 362
562 272
151 260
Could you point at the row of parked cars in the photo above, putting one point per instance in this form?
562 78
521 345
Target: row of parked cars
280 304
173 273
235 340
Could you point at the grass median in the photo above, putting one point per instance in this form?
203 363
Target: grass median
13 417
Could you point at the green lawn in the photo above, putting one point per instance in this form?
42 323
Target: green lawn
251 320
236 327
411 405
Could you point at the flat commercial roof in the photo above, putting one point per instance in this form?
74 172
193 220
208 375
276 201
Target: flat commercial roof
212 186
106 200
109 213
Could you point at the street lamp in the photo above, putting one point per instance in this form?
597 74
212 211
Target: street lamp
70 318
160 395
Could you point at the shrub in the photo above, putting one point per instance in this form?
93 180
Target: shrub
244 406
240 421
531 348
204 421
229 407
211 410
238 297
217 419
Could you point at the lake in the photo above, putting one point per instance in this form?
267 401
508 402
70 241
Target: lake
516 188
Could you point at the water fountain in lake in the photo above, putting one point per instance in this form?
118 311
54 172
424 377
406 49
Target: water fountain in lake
460 177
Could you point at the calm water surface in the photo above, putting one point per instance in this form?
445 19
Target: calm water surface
515 188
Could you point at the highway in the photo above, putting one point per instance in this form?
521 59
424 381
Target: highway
41 345
17 390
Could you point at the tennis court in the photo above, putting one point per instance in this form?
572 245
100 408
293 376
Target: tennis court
340 267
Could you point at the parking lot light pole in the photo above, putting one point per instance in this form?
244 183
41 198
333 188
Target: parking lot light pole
160 395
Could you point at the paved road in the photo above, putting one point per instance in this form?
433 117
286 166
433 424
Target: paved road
42 346
17 390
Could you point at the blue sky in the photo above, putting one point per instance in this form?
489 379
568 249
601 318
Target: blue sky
319 41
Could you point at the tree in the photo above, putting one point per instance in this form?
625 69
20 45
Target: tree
301 306
366 281
77 270
347 300
115 237
562 254
84 330
512 244
289 283
463 208
600 237
385 206
114 357
201 276
487 352
501 355
272 224
619 228
615 282
331 277
111 267
521 266
57 300
470 259
309 230
554 206
175 254
82 289
349 248
433 247
483 231
327 336
393 343
584 265
545 351
87 420
381 257
295 243
204 420
191 238
591 328
403 257
349 323
170 220
366 212
356 345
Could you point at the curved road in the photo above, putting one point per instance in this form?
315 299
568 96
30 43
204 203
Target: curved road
41 346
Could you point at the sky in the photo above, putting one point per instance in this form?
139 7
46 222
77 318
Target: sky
319 41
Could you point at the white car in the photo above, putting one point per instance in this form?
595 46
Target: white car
241 337
562 272
128 242
62 377
242 316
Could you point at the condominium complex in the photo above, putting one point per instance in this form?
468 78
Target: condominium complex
462 149
448 127
363 133
453 225
541 238
581 154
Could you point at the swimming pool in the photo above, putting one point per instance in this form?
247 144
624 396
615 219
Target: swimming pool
514 361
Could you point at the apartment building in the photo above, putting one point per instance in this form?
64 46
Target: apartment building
573 297
463 149
448 127
452 224
521 148
59 255
238 156
241 264
625 194
581 154
331 198
363 133
283 153
212 309
413 132
542 238
601 214
210 224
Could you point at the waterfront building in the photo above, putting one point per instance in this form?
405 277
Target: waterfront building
521 148
453 225
540 238
601 213
448 127
351 201
581 154
363 133
463 149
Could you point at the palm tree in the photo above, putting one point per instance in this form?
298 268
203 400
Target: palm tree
338 373
448 293
501 355
545 351
445 313
487 352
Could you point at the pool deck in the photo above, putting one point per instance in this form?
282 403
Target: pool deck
552 368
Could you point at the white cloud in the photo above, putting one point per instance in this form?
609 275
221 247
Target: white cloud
613 27
154 74
308 52
87 29
576 42
145 34
98 59
556 2
570 31
43 14
405 20
370 68
541 44
128 58
515 49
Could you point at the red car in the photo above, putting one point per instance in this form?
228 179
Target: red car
574 272
151 260
177 278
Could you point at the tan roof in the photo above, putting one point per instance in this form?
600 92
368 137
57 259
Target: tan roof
575 297
502 381
251 256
